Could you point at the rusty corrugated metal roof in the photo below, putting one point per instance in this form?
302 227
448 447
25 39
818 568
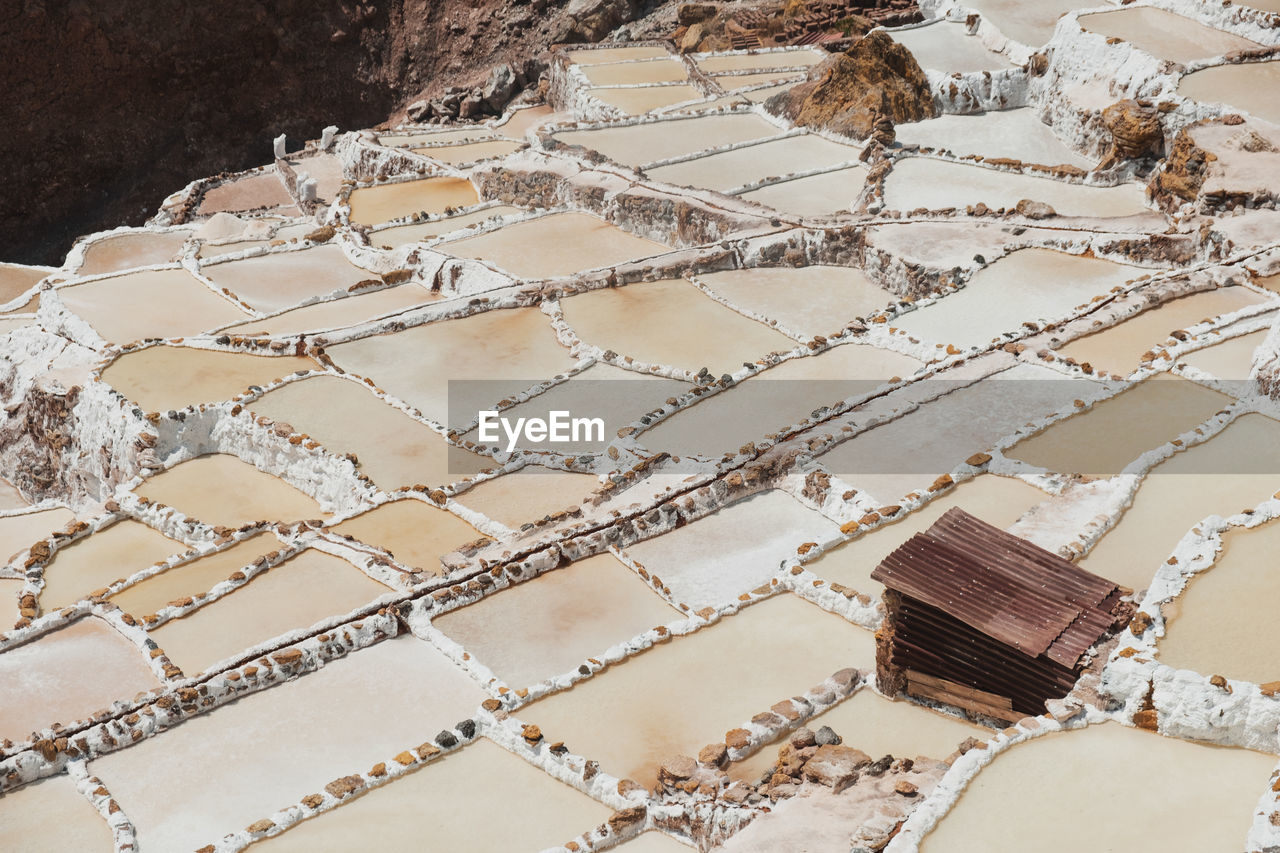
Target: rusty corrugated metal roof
1004 587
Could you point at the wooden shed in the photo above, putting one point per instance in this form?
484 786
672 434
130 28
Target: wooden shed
983 620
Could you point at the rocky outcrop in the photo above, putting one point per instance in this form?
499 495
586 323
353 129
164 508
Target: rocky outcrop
876 78
1219 165
1135 131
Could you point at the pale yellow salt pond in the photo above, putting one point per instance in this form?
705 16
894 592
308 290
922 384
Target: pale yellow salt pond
251 192
393 238
638 100
553 623
281 280
509 348
278 746
1235 470
432 137
772 59
523 120
999 501
600 55
17 279
151 304
1116 431
267 606
68 675
17 532
771 159
713 560
1036 285
162 378
816 195
132 249
730 82
807 300
195 578
1231 360
371 205
660 140
1251 86
665 70
1110 788
673 323
100 559
1017 134
653 842
415 533
945 46
1222 623
1118 349
221 489
482 798
393 449
781 396
1029 21
339 313
470 152
325 170
908 453
681 695
917 182
1164 35
51 815
877 726
10 589
554 245
528 495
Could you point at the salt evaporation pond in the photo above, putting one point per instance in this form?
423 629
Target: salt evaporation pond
945 46
163 378
635 145
1164 35
1250 86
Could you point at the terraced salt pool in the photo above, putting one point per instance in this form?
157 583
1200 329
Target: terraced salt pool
393 449
935 184
151 304
546 630
1017 134
1026 285
1164 35
672 323
1235 470
391 238
283 279
945 46
162 378
1119 348
472 151
554 245
221 489
510 349
762 60
752 163
638 100
528 495
816 195
132 249
1251 86
385 202
338 313
665 70
808 300
98 560
635 145
1111 773
681 695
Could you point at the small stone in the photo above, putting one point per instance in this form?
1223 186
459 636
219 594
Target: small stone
905 788
446 740
827 737
835 766
260 826
677 769
531 734
803 737
714 755
344 786
741 738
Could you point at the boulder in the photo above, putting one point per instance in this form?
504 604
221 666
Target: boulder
1135 131
689 14
1035 209
499 87
875 79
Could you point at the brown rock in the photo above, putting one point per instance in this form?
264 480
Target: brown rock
692 37
1135 131
312 801
677 769
737 738
620 821
1034 209
836 767
876 80
905 788
689 14
344 786
714 755
260 826
531 734
1146 719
